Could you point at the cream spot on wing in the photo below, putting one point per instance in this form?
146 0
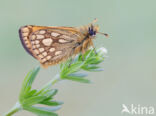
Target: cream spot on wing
47 41
25 38
40 36
26 42
25 34
36 51
65 36
40 56
58 52
42 32
41 49
48 57
28 45
25 30
33 37
37 46
37 42
63 41
43 60
33 47
44 53
52 49
54 34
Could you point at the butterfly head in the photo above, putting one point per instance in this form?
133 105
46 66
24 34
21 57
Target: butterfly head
93 29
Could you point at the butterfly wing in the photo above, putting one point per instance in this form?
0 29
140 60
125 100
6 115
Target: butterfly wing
50 45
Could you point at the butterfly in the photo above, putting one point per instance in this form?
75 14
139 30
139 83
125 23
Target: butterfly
53 45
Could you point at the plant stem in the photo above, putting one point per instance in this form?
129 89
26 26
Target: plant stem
52 82
17 107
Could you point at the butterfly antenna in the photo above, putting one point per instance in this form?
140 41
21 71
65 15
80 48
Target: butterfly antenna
105 34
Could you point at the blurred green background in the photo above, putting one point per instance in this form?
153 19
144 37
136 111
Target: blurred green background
130 68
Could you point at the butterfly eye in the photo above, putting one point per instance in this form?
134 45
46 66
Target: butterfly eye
91 31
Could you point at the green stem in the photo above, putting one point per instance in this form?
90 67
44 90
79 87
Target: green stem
16 108
52 82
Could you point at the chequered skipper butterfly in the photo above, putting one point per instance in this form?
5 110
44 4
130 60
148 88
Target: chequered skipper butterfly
53 45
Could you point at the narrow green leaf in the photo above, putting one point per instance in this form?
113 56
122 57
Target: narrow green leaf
75 59
50 109
24 85
86 54
51 93
28 89
32 78
30 94
96 70
23 95
92 60
48 92
44 91
78 75
75 67
28 82
82 80
51 103
97 62
33 100
39 111
40 92
90 67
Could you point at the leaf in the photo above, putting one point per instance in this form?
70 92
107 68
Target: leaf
80 75
34 74
50 94
92 68
75 59
50 109
87 54
96 70
88 67
29 94
40 111
92 60
82 80
33 100
28 82
47 92
27 90
51 103
73 68
24 86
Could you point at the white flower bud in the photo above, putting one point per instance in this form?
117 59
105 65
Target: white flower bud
102 51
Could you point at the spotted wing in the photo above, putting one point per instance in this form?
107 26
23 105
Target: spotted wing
50 45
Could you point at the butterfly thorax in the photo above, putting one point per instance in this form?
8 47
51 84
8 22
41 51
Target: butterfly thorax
89 30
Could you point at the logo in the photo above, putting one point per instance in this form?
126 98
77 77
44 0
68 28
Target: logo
137 110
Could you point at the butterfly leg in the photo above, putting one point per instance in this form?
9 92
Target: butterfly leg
83 57
83 52
71 61
94 50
